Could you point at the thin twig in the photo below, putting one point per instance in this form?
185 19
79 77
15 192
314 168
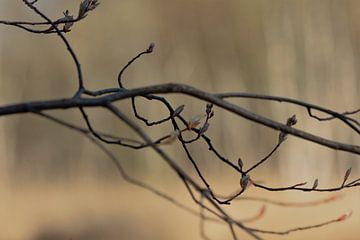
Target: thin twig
176 88
67 44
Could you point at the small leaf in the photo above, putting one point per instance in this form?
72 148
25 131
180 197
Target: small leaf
347 174
316 182
87 5
204 128
93 4
178 110
83 7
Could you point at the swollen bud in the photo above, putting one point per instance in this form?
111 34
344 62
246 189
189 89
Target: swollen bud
151 47
244 181
208 108
344 216
291 121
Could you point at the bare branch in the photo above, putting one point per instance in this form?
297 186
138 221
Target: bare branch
175 88
201 193
67 44
341 218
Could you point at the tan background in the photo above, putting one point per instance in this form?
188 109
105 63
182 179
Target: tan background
53 181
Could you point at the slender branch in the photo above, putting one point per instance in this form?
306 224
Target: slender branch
67 44
202 221
31 30
340 116
256 217
301 228
264 159
175 167
233 234
147 51
298 187
118 165
291 204
116 140
101 92
146 121
57 22
334 117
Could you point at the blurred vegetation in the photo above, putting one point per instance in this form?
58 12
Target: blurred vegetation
307 50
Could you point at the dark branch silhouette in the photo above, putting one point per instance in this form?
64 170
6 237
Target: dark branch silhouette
211 204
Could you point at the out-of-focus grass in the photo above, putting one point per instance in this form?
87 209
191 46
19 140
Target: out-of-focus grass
116 211
301 49
283 48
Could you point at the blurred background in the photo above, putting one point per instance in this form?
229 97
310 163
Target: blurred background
55 184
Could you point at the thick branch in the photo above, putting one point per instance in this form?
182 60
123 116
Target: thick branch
175 88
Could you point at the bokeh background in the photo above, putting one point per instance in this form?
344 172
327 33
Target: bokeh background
56 185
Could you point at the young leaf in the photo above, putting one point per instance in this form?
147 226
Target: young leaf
87 5
204 128
178 110
83 8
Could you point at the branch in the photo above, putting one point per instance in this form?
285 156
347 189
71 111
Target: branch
118 165
339 219
183 175
175 88
66 42
308 106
